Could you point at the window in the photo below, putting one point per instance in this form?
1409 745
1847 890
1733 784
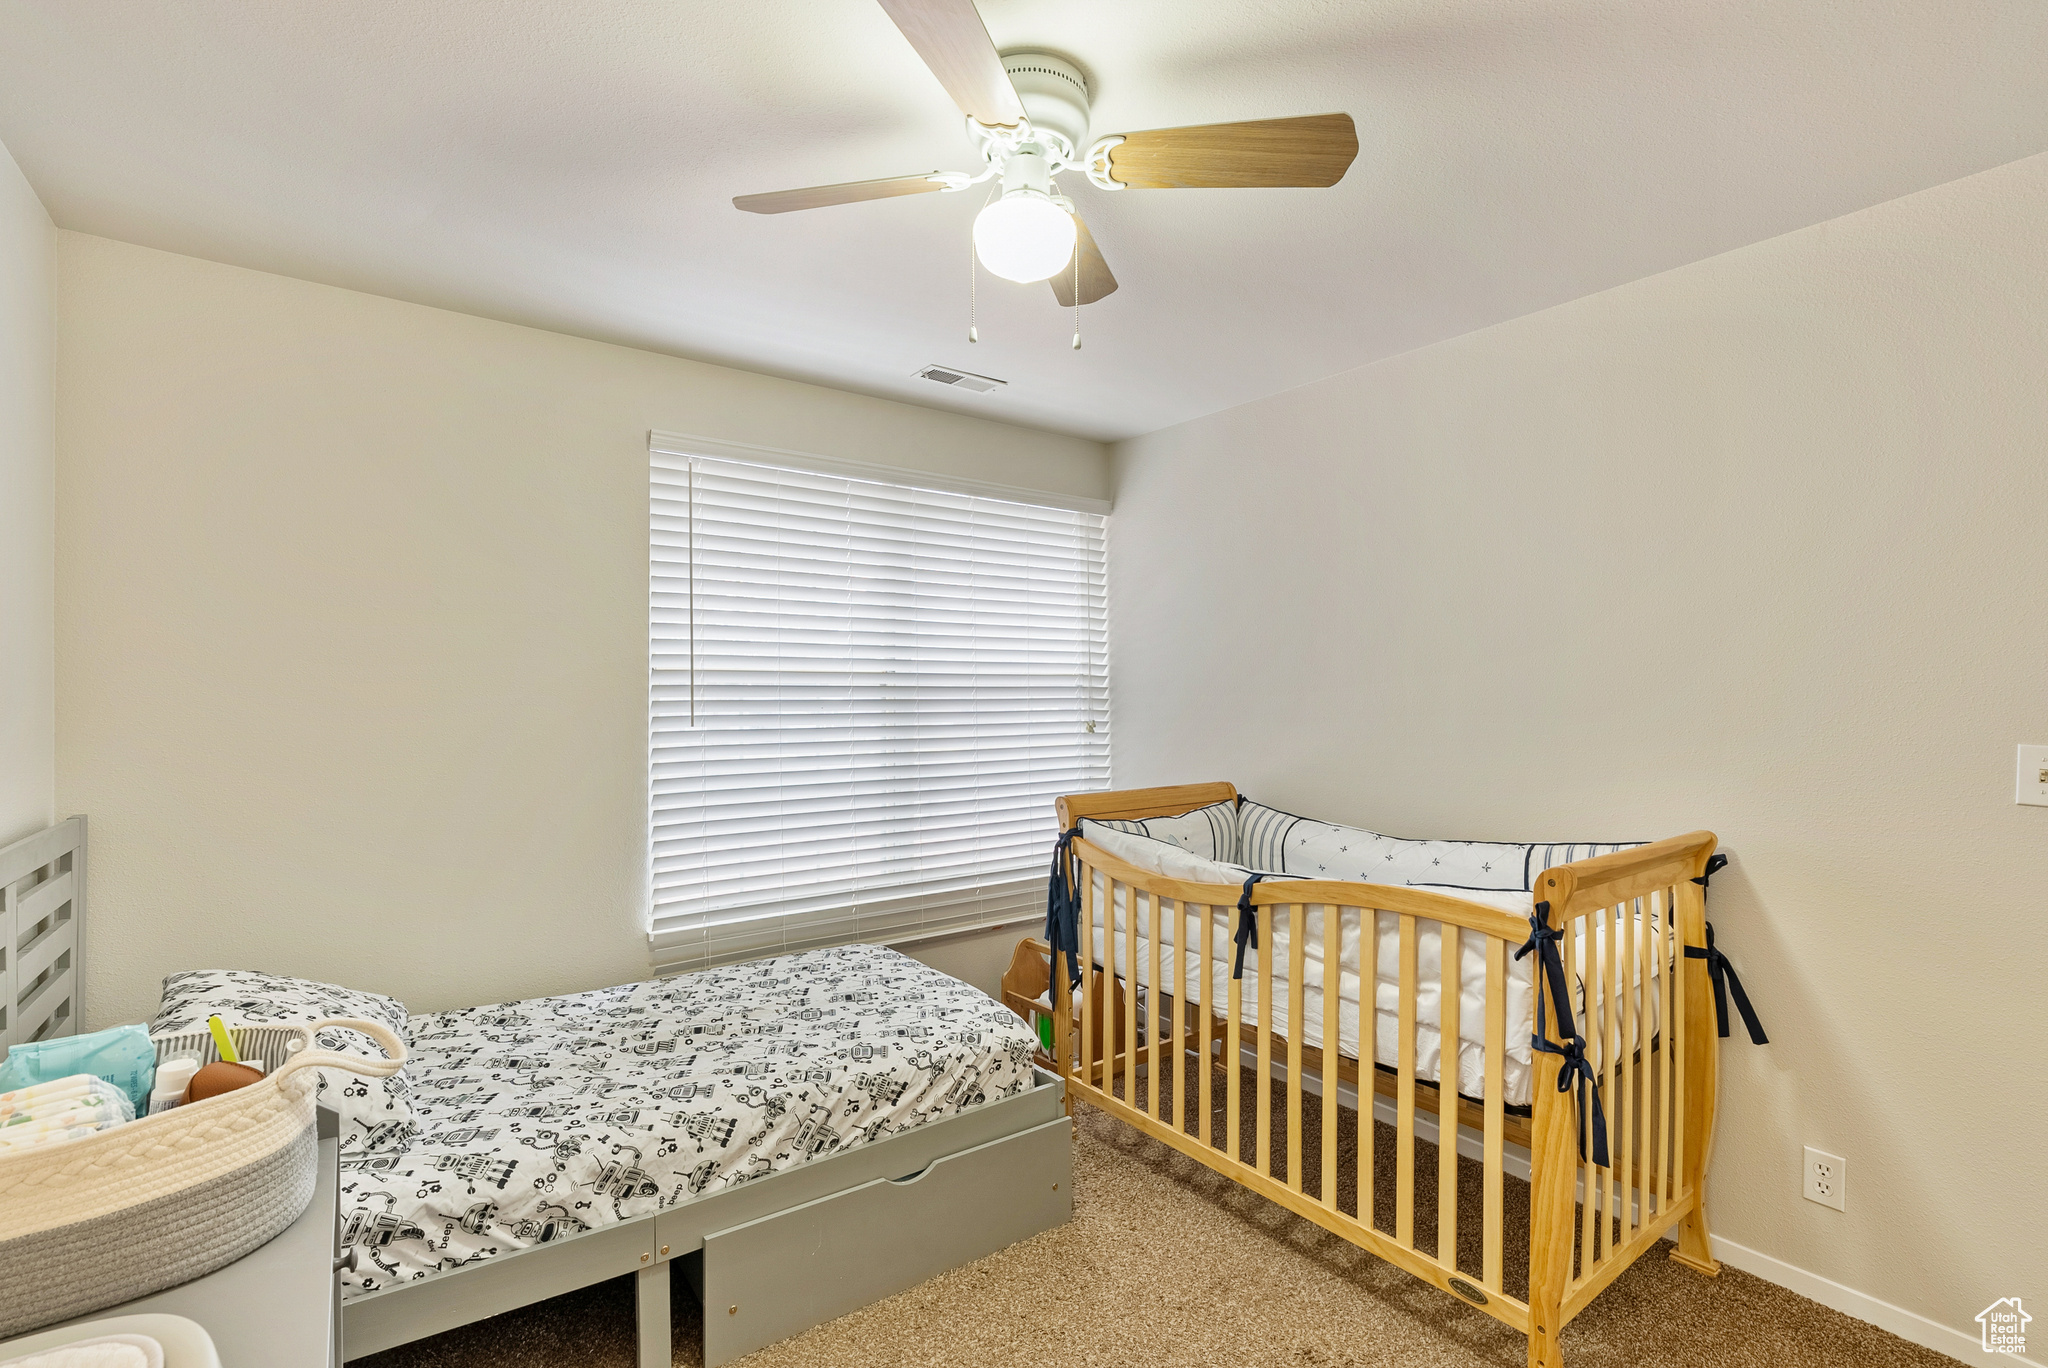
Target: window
864 698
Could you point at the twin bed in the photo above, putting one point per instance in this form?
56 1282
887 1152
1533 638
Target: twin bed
801 1136
540 1120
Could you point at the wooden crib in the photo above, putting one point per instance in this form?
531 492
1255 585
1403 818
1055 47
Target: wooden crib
1586 1222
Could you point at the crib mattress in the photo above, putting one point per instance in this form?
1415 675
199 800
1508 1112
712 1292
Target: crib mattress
1517 1064
541 1119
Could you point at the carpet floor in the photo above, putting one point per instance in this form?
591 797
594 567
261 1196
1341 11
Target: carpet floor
1166 1262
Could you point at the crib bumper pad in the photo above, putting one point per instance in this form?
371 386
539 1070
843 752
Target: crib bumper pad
1577 1070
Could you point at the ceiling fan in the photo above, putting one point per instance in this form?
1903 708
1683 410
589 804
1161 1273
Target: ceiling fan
1028 116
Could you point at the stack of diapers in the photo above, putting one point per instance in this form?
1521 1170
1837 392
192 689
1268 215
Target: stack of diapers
1226 843
62 1109
122 1055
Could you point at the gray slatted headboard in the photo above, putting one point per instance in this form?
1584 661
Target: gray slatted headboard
42 909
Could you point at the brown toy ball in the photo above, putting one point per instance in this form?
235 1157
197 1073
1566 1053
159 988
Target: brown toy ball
220 1077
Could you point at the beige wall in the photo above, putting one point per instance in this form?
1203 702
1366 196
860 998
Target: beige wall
976 957
28 566
352 622
1757 545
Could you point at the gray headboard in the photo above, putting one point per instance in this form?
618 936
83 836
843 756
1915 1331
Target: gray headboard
42 911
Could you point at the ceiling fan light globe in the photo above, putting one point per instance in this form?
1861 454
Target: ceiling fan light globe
1024 237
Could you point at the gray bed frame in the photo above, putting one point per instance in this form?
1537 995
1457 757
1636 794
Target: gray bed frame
768 1258
774 1256
42 953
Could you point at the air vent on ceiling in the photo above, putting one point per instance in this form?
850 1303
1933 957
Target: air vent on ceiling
959 379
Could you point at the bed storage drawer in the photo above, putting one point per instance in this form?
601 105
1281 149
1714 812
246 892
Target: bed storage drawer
771 1278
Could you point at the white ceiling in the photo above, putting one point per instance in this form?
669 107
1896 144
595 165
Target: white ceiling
571 165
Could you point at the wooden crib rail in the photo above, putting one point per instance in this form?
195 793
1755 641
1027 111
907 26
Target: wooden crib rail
1416 902
1606 880
1128 805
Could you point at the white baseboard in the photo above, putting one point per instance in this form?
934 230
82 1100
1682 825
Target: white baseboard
1966 1346
1907 1325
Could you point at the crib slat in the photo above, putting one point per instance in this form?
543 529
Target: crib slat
1610 1043
1596 1045
1333 1045
1180 1015
1655 1123
1672 1076
1263 1142
1448 1043
1404 1093
1680 1037
1233 1054
1589 1192
1130 1041
1646 1086
1297 1028
1208 1014
1646 1090
1631 1019
1086 1072
1656 1040
1112 1024
1155 1017
1496 1121
1653 1083
1368 1058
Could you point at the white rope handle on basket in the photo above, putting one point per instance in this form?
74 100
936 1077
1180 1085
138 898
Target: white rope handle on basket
354 1063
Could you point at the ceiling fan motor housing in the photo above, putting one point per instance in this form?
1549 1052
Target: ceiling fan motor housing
1055 98
1027 171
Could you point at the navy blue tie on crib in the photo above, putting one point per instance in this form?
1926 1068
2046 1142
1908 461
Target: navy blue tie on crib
1063 908
1723 973
1247 924
1576 1069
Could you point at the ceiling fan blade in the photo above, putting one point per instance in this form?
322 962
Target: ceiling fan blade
818 196
1315 149
950 37
1096 281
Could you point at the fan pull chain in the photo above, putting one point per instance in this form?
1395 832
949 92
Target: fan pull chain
1077 296
973 280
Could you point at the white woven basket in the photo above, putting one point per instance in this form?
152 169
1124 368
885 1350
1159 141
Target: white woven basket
97 1221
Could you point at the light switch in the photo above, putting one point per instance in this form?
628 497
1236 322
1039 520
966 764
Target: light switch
2032 787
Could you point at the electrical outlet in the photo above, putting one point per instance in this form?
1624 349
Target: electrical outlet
1827 1178
2031 786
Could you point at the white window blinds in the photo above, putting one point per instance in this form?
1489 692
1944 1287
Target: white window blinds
864 699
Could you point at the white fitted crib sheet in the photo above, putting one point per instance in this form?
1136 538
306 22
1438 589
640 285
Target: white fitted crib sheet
1274 938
